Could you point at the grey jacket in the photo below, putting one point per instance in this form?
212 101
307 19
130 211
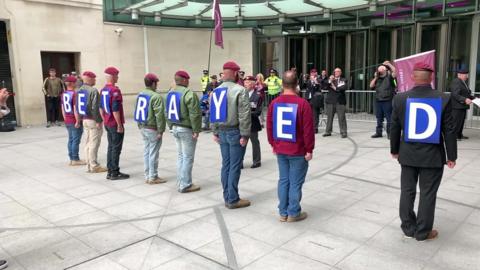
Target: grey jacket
238 110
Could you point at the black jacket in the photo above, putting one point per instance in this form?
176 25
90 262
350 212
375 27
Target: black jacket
384 88
337 96
312 88
460 92
422 154
256 105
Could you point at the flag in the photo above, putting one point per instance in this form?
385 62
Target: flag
405 65
217 16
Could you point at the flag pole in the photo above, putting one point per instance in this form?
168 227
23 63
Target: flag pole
210 50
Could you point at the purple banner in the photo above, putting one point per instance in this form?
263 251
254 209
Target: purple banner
405 69
217 16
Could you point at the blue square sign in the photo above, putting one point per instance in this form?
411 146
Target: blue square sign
423 120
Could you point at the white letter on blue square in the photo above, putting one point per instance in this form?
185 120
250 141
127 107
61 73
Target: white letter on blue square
285 122
422 120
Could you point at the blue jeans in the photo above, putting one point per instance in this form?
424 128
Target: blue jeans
206 119
150 152
74 138
186 153
232 158
293 170
383 110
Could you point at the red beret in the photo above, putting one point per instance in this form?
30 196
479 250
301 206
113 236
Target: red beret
89 74
183 74
111 71
152 77
421 66
250 78
71 78
231 65
313 70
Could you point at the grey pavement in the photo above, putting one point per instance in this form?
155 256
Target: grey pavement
58 217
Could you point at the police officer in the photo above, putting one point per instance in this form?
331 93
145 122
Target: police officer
274 85
112 112
205 80
422 127
336 103
230 115
256 106
150 116
461 99
384 85
184 118
88 102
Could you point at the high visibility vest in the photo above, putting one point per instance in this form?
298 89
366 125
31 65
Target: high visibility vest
274 85
205 80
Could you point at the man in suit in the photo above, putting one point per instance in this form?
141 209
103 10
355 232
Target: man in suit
256 106
461 99
314 95
423 140
336 103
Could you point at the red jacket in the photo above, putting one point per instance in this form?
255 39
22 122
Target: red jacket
115 104
305 137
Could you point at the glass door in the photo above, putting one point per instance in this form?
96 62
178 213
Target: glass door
433 36
270 55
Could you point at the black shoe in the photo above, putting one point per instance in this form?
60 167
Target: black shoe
109 175
327 135
376 135
119 176
316 131
241 167
464 137
344 136
256 165
3 264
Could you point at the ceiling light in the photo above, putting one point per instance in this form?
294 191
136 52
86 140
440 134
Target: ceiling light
198 19
157 17
134 14
326 13
281 18
372 6
239 20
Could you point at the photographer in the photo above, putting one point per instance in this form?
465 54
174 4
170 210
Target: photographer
5 126
314 95
384 85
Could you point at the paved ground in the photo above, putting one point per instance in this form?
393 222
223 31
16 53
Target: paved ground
351 196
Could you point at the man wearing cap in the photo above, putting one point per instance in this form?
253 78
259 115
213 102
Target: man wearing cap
422 138
72 121
111 108
384 85
274 86
52 89
150 116
88 107
230 115
256 107
184 119
314 96
461 99
204 80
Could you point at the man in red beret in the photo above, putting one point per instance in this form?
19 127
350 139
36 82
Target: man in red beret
72 121
150 116
88 107
256 111
111 108
423 139
184 119
230 115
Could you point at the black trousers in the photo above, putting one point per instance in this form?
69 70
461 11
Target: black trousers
53 109
256 153
429 179
459 120
115 144
317 105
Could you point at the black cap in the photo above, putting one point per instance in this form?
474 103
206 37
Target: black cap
205 71
213 77
273 71
241 72
462 71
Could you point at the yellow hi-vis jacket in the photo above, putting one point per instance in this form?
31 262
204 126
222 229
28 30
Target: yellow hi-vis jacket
204 80
274 85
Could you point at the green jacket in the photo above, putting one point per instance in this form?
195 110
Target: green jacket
190 113
93 102
238 109
156 107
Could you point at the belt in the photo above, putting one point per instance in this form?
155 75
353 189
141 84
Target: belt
228 127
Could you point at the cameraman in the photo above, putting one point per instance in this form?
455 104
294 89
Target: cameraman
384 85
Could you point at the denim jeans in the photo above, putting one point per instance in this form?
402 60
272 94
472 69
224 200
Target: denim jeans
232 158
293 170
186 153
150 152
206 120
383 110
74 138
115 144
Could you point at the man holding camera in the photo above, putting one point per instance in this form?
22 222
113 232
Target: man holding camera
314 85
384 85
